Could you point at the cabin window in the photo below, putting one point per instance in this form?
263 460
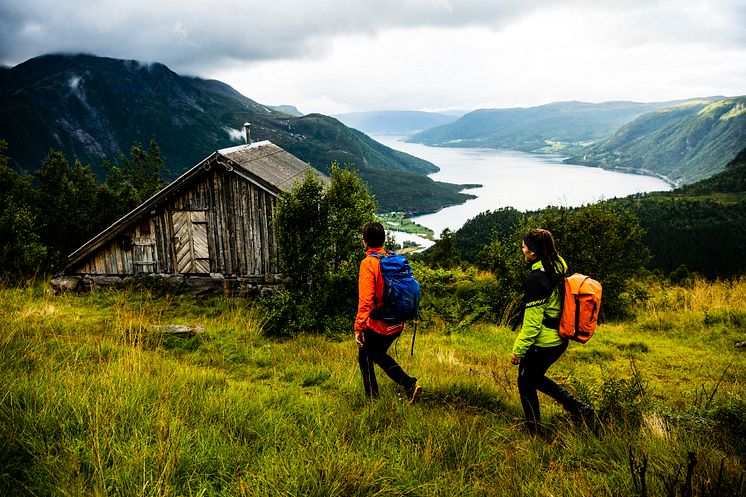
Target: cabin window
145 227
125 242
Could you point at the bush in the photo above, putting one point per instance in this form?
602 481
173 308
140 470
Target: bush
618 401
602 241
319 245
461 296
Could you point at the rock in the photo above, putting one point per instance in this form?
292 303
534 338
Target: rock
178 329
106 280
65 283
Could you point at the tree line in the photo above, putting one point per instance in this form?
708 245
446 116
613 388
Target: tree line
46 215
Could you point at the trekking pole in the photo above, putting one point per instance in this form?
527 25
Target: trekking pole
411 352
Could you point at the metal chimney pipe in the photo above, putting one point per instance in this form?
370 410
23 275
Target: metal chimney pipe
247 132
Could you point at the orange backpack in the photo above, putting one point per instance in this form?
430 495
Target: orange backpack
580 307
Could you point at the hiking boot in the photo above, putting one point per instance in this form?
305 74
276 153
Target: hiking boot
414 393
584 415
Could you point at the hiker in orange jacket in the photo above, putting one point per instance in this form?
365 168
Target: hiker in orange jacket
374 337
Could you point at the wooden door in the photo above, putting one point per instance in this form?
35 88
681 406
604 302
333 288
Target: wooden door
190 241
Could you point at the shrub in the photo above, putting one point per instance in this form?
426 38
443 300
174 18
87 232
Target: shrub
462 296
319 245
599 240
619 401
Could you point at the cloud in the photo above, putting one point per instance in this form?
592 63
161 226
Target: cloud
199 33
336 56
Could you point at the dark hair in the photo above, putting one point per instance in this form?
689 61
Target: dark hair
541 242
374 234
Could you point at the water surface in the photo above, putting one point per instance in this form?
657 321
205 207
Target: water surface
516 179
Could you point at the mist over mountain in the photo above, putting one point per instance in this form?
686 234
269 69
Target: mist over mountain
93 107
685 143
395 122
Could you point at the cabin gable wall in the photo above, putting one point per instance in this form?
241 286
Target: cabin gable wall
235 214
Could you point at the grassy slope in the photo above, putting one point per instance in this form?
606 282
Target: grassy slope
93 402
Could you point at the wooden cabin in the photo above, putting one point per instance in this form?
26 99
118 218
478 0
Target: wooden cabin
212 226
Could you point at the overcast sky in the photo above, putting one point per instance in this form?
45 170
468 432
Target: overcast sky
334 56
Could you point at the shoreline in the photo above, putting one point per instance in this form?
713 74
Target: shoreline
434 221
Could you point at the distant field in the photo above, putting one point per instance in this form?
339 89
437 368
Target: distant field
95 401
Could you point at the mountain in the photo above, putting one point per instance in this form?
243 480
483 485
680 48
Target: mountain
394 122
92 107
554 127
684 143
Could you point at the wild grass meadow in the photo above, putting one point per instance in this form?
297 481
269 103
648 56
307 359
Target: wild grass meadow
94 400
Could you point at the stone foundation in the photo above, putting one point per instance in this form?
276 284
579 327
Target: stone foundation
212 284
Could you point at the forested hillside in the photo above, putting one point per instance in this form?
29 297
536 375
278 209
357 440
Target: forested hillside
697 228
91 108
685 143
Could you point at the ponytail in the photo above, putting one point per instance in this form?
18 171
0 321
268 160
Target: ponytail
541 242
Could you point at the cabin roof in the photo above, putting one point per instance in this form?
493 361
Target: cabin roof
262 163
268 162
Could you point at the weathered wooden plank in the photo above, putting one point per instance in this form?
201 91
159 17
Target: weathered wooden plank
99 264
217 223
239 223
272 239
127 262
233 227
257 238
237 228
158 237
118 258
245 249
265 235
225 206
250 230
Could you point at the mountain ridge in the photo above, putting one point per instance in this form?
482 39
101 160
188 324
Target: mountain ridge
92 107
556 127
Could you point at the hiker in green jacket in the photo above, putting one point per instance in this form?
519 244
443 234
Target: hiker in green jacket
538 344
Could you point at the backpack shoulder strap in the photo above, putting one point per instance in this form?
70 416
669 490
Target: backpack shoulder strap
380 255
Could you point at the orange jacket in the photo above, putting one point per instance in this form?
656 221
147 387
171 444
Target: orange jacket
370 296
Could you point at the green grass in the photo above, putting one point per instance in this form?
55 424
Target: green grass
397 221
93 401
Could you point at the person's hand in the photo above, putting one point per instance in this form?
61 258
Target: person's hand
514 359
359 338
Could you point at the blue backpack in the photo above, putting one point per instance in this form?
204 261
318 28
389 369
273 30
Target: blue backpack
401 293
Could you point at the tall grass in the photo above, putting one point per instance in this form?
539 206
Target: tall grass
96 400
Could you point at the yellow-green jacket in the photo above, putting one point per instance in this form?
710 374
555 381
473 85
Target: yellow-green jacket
542 301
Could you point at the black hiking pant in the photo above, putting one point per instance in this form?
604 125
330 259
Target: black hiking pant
375 351
531 377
